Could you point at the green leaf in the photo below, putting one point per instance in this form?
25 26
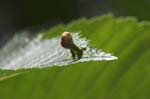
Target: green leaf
126 78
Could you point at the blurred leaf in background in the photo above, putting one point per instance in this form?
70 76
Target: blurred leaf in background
21 14
137 8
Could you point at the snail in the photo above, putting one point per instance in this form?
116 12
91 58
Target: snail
67 43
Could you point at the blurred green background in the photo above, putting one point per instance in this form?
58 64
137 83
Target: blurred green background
21 14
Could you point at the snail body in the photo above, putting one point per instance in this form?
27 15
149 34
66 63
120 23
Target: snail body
67 43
